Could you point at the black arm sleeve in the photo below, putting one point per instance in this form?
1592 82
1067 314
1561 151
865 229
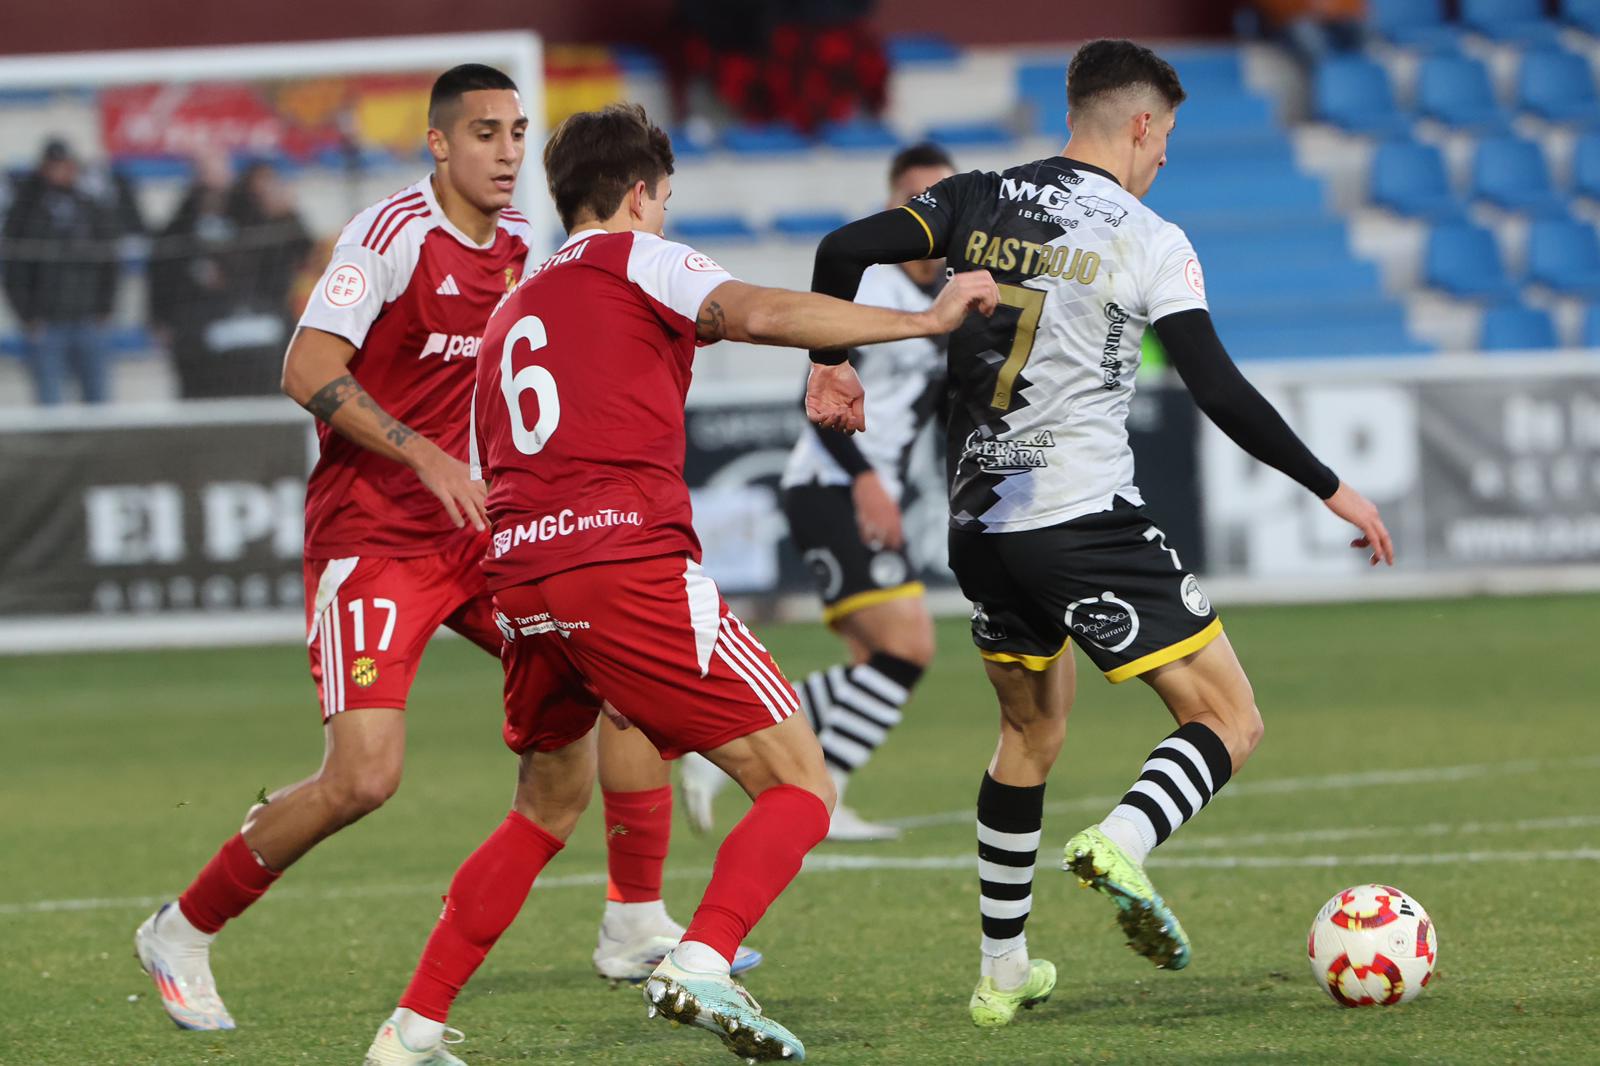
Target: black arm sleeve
1230 401
893 236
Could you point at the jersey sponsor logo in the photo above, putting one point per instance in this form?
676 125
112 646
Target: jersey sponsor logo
926 198
1105 621
1098 205
1012 253
1111 353
451 346
346 285
533 625
564 523
448 287
1194 598
1009 456
1195 277
701 263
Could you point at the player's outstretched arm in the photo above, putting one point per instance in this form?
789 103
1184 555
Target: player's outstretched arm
1230 401
739 311
316 375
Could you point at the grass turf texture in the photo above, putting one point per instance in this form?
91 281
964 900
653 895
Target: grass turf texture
122 773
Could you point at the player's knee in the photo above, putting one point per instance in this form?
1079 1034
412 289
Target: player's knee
356 797
1250 729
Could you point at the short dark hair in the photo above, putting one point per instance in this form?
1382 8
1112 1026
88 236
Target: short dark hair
450 86
1106 66
594 157
926 154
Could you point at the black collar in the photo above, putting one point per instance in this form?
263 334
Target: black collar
1073 164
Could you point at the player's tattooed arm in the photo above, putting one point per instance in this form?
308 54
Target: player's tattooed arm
712 323
340 391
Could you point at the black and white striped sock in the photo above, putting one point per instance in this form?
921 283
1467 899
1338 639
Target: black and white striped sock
852 709
1010 818
1177 780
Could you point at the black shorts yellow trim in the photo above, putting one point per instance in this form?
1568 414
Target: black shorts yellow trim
870 598
1035 663
1171 653
925 229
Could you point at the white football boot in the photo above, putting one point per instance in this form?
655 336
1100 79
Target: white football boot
390 1049
845 826
177 956
632 945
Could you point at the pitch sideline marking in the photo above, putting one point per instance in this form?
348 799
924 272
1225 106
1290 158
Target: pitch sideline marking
1422 775
837 863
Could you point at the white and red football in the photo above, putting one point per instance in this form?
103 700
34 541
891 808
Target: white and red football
1373 946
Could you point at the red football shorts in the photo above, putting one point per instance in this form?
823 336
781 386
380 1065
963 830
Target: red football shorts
368 619
654 637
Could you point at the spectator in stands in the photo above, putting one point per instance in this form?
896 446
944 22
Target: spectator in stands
220 276
269 254
60 276
800 62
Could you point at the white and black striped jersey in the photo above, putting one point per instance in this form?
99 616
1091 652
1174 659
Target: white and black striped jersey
902 381
1039 392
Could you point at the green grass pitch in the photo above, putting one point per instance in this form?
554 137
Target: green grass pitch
1452 748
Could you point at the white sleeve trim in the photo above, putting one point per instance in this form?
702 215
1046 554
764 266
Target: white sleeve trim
673 274
359 282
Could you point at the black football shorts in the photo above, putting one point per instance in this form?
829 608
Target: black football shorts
1108 580
848 574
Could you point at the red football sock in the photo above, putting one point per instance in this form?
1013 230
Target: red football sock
485 896
757 862
638 829
230 882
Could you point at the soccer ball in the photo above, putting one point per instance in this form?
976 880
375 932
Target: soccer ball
1372 946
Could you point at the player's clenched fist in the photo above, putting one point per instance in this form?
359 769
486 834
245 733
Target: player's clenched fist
835 398
972 290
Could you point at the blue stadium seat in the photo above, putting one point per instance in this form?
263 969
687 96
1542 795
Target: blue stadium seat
1518 21
711 228
1228 113
1409 177
801 225
1353 93
1462 259
1206 70
1584 14
1515 327
1244 200
1564 254
971 134
921 48
1042 91
1557 85
1510 172
1455 89
1415 23
686 143
1591 326
858 134
1310 334
768 139
1586 166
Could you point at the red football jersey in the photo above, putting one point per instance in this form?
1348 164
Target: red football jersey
578 417
412 293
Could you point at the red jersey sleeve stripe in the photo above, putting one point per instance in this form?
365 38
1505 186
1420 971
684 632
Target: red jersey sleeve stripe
404 221
386 213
